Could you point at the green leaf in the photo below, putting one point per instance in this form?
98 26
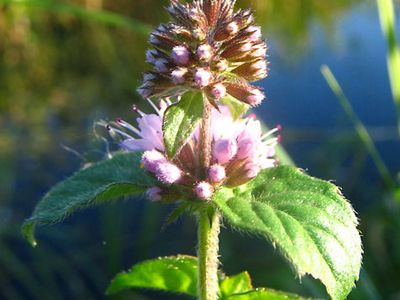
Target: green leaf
387 14
264 294
113 178
306 218
180 120
177 212
236 284
236 107
176 274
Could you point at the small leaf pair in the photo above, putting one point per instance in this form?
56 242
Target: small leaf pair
178 274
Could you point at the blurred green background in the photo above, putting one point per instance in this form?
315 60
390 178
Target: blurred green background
66 64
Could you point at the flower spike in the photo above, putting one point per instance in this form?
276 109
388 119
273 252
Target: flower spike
209 47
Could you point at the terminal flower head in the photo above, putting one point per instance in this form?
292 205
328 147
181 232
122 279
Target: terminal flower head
207 46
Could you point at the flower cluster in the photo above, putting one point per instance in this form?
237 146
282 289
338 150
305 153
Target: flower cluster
238 154
207 46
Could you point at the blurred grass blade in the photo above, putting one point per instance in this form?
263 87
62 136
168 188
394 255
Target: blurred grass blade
359 126
388 17
19 271
102 16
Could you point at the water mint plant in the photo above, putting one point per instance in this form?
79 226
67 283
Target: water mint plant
201 152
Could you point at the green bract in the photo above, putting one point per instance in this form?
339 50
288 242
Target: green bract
237 108
308 219
180 120
113 178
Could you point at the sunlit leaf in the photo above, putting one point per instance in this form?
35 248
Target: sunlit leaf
308 219
239 283
107 180
175 274
180 120
265 294
236 107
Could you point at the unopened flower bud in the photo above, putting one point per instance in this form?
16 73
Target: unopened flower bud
161 65
222 65
144 91
151 56
181 55
153 194
259 51
246 47
204 52
232 28
216 173
204 190
152 159
193 13
198 34
246 93
178 75
252 170
218 91
255 33
202 77
154 40
255 98
168 173
224 150
259 65
148 77
171 9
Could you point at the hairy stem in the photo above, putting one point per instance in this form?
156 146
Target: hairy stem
207 254
205 136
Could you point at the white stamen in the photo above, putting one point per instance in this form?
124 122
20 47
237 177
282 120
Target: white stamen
120 132
153 105
128 126
269 133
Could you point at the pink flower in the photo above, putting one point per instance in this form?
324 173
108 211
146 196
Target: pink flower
202 77
216 173
153 194
168 173
178 75
204 52
224 150
204 190
255 98
152 159
240 151
180 55
218 91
